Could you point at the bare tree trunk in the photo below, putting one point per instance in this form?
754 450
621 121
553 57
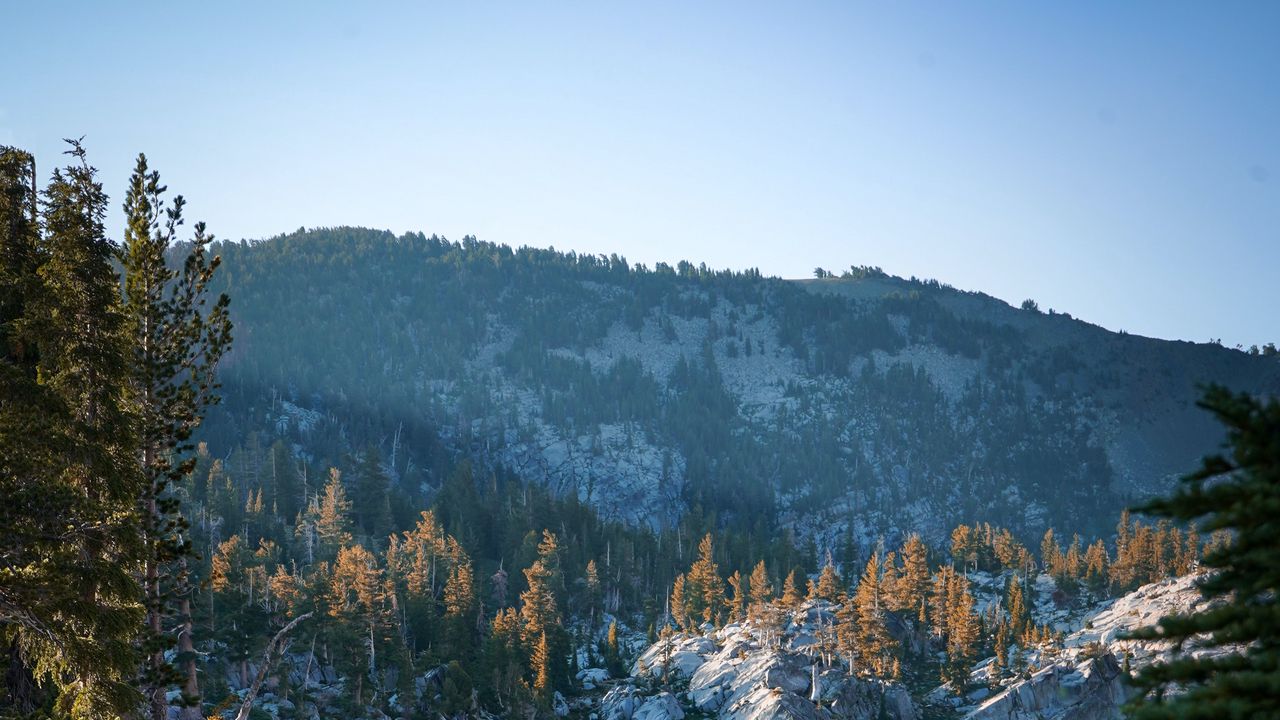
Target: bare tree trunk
159 705
306 674
263 669
187 649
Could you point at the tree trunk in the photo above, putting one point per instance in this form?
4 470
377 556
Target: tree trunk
247 705
186 648
159 706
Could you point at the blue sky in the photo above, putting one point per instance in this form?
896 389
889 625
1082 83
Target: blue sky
1120 162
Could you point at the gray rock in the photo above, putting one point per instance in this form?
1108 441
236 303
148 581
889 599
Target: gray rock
1091 690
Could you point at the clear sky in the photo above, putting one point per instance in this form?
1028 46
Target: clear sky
1118 161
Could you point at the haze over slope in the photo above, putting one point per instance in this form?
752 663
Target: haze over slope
844 407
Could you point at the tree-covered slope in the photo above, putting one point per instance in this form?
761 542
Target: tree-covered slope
845 407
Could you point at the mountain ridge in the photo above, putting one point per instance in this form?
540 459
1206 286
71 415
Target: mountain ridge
843 408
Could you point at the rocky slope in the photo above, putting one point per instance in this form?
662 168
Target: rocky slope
741 672
1087 681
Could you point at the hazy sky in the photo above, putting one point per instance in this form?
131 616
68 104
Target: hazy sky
1118 161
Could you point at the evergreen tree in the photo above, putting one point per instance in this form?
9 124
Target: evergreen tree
759 586
459 606
372 499
876 649
1019 614
962 634
828 587
176 345
68 430
1239 494
914 586
1095 567
680 604
333 520
790 592
738 603
707 589
541 662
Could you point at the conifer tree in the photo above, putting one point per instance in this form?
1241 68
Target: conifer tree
333 521
738 603
1019 614
176 344
939 605
679 602
459 606
760 588
828 587
876 649
1050 554
66 441
1095 567
964 546
914 586
1239 494
1001 649
962 634
372 501
613 652
707 589
593 591
356 601
541 662
790 592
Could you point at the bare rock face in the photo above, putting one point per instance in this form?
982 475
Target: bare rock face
850 698
741 672
1092 690
629 703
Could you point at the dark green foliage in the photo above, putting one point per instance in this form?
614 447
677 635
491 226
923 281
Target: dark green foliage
69 604
1240 494
176 344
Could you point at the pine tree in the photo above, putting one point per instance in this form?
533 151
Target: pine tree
1019 614
372 504
1239 494
706 588
939 606
176 347
962 634
333 522
790 592
459 606
68 431
538 608
760 588
1050 554
964 546
613 652
680 606
541 662
356 602
828 587
914 586
593 591
876 649
738 603
1001 649
1095 567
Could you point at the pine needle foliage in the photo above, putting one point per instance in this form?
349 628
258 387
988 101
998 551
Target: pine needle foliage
1239 494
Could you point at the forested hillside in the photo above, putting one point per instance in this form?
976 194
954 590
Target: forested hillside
844 407
432 480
